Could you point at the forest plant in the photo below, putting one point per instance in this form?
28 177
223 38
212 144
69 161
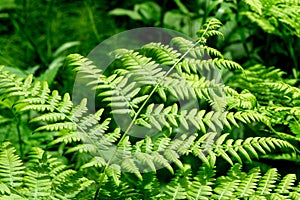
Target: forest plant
183 147
183 18
278 99
43 177
275 16
280 20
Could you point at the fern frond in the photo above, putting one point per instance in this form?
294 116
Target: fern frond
143 70
114 171
209 29
11 166
248 185
48 178
285 185
255 5
201 186
39 184
162 54
177 188
225 188
197 52
293 157
294 195
195 65
129 165
73 188
269 15
161 161
285 89
267 182
170 117
248 148
4 189
118 90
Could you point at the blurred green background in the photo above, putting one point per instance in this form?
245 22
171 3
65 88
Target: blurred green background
35 35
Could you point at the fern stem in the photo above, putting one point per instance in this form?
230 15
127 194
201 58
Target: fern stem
99 186
97 192
292 54
156 86
144 104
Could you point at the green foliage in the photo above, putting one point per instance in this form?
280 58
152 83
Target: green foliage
165 127
40 33
147 12
275 15
279 20
43 177
185 18
278 98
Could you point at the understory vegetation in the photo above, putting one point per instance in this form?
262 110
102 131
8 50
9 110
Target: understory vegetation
214 115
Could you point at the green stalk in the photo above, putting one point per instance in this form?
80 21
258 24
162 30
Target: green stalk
142 107
292 54
49 28
92 19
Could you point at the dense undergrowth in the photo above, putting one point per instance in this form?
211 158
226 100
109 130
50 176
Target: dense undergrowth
176 120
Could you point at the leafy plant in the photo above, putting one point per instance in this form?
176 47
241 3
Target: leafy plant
147 12
165 127
276 17
34 30
43 177
279 20
182 18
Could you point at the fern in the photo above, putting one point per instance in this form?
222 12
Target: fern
271 15
44 177
236 184
12 169
160 107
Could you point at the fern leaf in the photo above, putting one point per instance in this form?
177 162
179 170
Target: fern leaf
201 188
267 182
39 184
4 188
129 165
173 157
263 23
294 195
226 189
176 189
255 5
11 166
209 29
197 52
161 161
286 184
162 54
95 162
58 126
114 171
248 185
